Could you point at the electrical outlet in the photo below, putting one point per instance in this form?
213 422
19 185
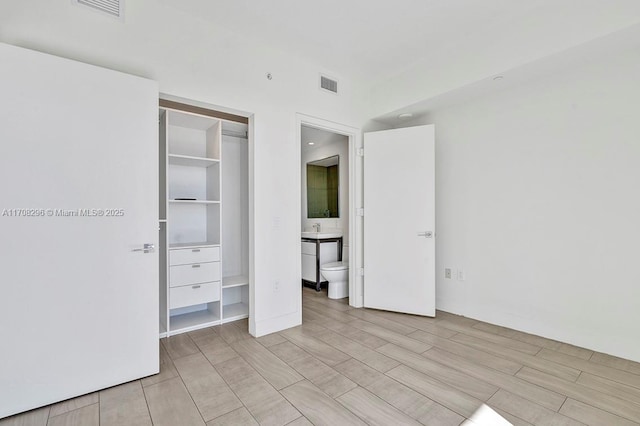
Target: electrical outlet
447 273
276 286
461 275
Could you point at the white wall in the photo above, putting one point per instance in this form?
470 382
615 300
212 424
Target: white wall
537 199
342 150
193 59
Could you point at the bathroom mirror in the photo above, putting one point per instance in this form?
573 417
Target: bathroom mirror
323 181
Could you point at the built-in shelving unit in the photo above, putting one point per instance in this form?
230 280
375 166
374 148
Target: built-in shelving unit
204 254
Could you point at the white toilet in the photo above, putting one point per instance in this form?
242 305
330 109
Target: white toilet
337 274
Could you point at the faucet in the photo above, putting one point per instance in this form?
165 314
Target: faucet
316 226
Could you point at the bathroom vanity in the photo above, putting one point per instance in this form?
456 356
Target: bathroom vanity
319 248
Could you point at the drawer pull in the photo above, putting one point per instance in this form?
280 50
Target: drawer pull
195 266
195 251
195 286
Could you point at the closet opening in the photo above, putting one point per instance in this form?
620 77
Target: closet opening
205 239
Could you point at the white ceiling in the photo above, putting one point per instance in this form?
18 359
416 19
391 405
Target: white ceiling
319 137
374 40
601 49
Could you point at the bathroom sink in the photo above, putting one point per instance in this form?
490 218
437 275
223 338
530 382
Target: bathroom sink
321 235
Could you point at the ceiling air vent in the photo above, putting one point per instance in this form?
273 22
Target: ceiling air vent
328 84
113 8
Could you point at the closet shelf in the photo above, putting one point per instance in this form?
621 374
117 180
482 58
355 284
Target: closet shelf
235 281
235 311
193 202
187 160
193 320
198 244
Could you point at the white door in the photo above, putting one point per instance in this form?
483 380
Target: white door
79 186
399 220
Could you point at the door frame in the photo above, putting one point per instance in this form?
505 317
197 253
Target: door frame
356 284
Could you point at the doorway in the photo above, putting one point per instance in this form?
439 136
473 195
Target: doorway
328 199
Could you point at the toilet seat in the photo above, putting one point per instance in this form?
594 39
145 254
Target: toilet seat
335 266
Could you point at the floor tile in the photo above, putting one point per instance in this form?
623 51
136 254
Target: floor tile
316 406
170 404
179 346
85 416
262 400
242 324
615 362
565 372
527 410
239 417
610 387
358 336
545 397
272 368
167 369
218 352
359 372
475 355
451 398
575 351
300 421
426 324
515 421
287 351
124 405
459 380
447 317
37 417
231 333
208 339
614 374
505 342
592 416
202 334
583 394
327 379
208 390
391 336
73 404
518 335
375 318
271 339
315 347
360 352
486 415
374 410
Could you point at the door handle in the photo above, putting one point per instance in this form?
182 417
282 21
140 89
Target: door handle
426 234
146 248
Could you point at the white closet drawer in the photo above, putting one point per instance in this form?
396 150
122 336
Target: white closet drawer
194 273
195 294
194 255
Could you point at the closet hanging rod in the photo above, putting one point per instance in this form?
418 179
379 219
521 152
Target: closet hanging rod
241 135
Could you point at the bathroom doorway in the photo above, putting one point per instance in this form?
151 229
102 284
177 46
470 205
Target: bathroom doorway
328 225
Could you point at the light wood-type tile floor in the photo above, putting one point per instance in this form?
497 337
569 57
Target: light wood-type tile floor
347 366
